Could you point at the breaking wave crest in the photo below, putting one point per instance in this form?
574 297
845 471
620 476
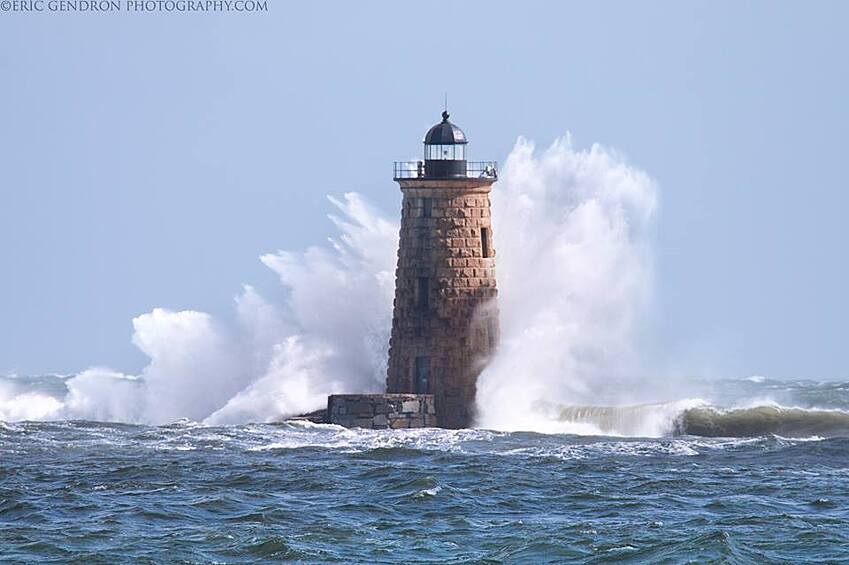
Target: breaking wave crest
709 421
698 418
643 420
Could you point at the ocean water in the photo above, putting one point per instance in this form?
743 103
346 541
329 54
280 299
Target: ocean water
767 483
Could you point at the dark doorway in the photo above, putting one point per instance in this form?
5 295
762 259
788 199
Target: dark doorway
421 375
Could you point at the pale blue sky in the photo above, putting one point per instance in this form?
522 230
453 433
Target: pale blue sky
148 160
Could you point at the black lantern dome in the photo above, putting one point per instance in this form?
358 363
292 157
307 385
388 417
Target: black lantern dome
445 133
445 150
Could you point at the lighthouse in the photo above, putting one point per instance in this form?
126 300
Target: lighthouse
445 316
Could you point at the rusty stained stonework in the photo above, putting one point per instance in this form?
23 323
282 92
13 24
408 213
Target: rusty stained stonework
445 317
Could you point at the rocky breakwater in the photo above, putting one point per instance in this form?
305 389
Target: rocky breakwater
382 411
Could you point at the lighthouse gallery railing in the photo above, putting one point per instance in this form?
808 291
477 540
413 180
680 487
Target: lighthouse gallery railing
474 170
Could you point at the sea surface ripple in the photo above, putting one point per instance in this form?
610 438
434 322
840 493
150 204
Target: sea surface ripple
87 492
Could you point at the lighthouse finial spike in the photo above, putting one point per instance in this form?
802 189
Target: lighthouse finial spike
445 108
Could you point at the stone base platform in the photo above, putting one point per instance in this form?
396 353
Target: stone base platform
382 411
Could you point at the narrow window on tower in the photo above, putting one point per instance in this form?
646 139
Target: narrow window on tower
421 375
427 207
485 242
423 294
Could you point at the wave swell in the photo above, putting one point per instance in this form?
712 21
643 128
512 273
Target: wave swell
698 418
763 420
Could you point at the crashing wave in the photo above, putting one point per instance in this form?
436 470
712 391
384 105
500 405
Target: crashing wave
698 418
709 421
641 420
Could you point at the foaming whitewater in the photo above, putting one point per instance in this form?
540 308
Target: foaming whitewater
641 420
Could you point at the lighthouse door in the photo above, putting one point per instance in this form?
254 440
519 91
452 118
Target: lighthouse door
421 375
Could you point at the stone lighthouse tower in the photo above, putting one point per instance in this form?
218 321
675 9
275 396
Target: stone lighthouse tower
445 319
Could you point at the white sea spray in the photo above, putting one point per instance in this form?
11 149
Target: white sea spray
575 271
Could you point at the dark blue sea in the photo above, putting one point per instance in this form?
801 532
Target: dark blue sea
777 491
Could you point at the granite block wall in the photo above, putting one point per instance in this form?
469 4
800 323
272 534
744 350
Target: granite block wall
382 411
445 316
